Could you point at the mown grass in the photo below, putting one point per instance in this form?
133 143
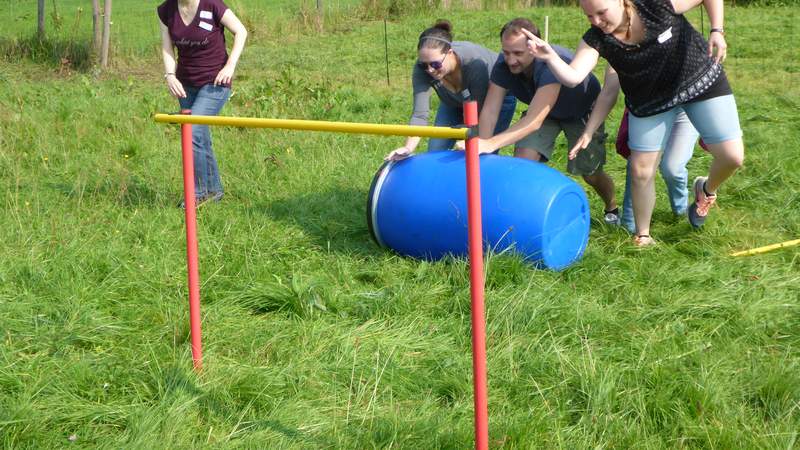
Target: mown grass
316 338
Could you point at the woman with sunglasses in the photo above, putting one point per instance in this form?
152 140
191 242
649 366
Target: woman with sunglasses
665 66
456 71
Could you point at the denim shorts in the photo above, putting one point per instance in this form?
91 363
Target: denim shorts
716 119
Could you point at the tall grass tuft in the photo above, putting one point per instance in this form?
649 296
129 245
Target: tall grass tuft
58 53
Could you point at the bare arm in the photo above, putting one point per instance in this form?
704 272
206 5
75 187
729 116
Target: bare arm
681 6
232 23
168 55
716 41
167 52
605 101
715 9
405 151
602 107
491 110
411 144
572 74
540 107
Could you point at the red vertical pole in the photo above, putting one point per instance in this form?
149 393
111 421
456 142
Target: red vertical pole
191 242
476 281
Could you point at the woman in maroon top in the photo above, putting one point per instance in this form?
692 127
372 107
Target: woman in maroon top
201 79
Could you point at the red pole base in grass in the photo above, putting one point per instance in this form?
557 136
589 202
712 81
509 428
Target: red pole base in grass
191 242
476 281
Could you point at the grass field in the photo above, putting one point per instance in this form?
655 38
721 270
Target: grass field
315 337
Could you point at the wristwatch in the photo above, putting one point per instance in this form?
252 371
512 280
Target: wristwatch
166 75
717 30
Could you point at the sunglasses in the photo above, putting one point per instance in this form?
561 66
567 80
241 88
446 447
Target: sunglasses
435 65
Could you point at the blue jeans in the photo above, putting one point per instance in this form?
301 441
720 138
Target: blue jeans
677 154
206 100
448 116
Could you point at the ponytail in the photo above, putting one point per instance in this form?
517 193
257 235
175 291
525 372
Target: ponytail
440 36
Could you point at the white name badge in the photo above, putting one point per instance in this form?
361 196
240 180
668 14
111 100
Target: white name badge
206 26
206 15
665 36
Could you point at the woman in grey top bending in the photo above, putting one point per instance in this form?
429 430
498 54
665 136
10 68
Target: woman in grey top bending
457 71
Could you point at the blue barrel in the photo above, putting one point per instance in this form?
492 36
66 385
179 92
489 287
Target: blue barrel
418 208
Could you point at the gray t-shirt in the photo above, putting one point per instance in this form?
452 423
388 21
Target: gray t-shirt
476 65
572 103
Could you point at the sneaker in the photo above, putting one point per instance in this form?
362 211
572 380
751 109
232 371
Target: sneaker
643 240
612 217
200 201
702 203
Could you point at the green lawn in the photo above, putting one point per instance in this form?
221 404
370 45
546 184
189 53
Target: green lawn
315 337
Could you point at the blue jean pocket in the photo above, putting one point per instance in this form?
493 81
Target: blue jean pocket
215 92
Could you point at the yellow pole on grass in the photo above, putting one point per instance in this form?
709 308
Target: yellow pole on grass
318 125
767 248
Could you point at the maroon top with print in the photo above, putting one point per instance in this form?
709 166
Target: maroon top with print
200 44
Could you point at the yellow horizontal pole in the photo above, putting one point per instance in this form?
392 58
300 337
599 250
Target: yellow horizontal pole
767 248
318 125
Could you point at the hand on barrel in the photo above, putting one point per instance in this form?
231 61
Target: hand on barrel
484 146
399 154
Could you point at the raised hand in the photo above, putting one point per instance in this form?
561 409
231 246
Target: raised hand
484 146
538 47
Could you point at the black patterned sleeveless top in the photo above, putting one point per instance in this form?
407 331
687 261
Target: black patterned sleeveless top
668 68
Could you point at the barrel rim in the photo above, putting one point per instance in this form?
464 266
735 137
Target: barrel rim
372 201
